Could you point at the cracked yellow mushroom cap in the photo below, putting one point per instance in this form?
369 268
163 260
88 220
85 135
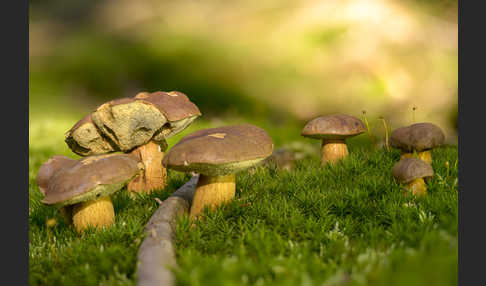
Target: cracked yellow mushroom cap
85 139
90 178
409 169
335 126
220 151
126 123
418 136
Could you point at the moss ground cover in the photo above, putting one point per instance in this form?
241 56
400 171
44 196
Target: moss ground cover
346 224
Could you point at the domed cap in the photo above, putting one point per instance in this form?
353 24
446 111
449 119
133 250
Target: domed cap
49 168
337 126
409 169
132 122
174 105
419 137
91 177
177 109
85 139
220 151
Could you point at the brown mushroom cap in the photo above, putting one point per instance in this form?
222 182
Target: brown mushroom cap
174 105
337 126
220 151
132 122
49 168
418 136
91 177
409 169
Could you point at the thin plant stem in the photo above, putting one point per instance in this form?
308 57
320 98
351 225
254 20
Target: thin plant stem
386 133
413 114
372 138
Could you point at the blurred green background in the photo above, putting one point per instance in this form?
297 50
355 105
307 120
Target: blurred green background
283 62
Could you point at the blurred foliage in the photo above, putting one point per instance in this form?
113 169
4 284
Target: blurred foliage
109 65
285 61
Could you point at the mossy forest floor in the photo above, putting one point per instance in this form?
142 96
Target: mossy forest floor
347 224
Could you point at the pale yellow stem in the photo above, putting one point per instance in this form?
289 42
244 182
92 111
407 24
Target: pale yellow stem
417 187
425 156
212 191
96 213
333 150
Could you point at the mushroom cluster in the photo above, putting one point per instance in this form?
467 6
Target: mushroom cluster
415 142
138 125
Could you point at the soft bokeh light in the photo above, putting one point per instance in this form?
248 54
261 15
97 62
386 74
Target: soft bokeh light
252 58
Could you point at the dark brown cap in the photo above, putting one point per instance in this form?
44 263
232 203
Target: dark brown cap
337 126
132 122
174 105
220 151
90 178
49 168
419 137
409 169
85 139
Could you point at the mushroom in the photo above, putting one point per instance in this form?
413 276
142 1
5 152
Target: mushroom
417 140
412 172
333 131
281 158
217 154
138 125
87 184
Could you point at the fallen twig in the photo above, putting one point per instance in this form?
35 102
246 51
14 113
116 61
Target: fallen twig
156 255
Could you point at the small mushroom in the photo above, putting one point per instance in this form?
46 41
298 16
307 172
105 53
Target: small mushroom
138 125
281 158
333 131
87 184
417 140
217 154
412 172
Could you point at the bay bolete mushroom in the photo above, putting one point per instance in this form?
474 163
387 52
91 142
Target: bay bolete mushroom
333 130
87 184
412 172
138 125
217 154
417 140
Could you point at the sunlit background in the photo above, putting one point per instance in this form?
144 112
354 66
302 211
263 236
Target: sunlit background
284 61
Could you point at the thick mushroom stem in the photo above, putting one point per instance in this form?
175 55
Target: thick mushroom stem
425 156
95 213
333 150
154 176
212 191
417 187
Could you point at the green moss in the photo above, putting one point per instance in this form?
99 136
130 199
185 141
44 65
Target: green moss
347 223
